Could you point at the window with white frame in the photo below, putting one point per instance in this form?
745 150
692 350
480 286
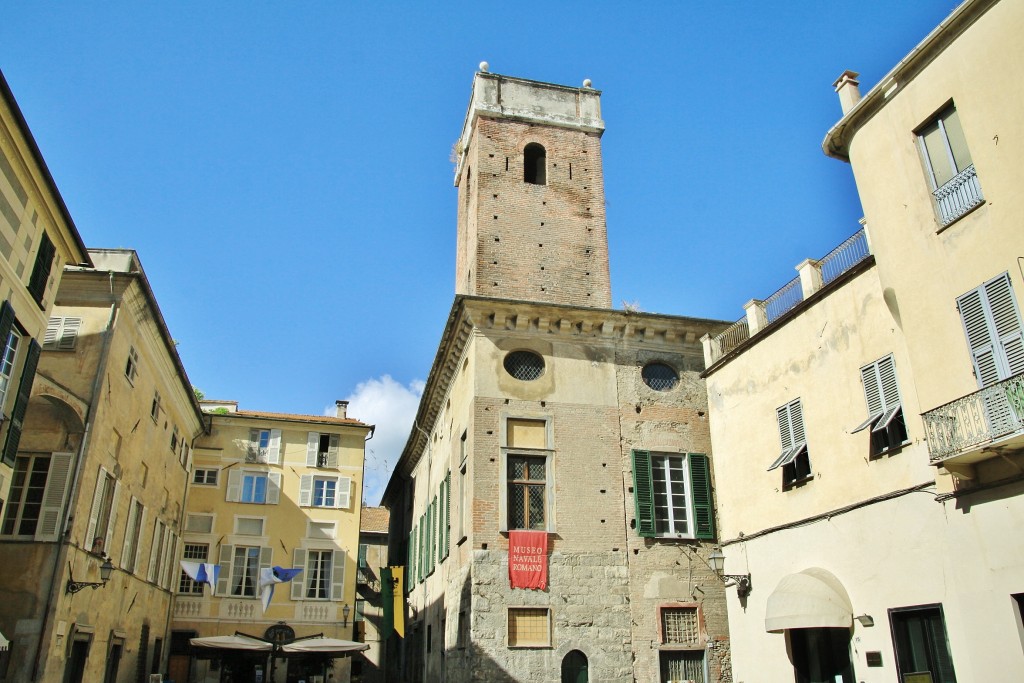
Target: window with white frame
61 333
324 491
174 440
245 568
951 173
154 408
253 486
320 530
323 578
205 476
322 450
529 627
198 523
527 475
36 496
885 410
193 552
103 513
249 526
264 446
7 363
672 492
794 459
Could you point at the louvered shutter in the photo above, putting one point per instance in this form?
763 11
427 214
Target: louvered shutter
154 549
69 333
126 547
338 575
343 497
138 541
305 490
447 513
643 493
266 558
52 333
108 538
274 449
273 488
227 553
410 560
334 450
6 321
234 487
703 505
1006 321
299 582
94 511
28 375
52 509
312 444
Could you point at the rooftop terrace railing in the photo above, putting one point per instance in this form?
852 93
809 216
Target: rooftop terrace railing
814 275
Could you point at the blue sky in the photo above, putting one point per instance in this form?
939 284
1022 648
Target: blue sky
283 169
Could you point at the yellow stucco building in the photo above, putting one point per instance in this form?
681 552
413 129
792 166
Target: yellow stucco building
270 489
868 417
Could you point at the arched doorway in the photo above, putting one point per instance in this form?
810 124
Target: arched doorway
574 667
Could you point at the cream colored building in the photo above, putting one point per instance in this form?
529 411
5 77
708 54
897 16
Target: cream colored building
270 489
871 411
368 667
100 478
547 411
37 239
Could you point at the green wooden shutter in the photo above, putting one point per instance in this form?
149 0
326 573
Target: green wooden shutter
643 493
28 375
447 513
703 505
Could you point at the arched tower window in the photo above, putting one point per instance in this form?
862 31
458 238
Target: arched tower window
535 164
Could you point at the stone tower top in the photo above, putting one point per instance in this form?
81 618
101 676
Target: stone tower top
520 99
531 217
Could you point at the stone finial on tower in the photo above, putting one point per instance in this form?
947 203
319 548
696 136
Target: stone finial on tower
848 88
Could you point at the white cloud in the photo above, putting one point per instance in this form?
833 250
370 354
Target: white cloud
391 407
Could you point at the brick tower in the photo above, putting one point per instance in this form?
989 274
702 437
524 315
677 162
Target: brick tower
531 218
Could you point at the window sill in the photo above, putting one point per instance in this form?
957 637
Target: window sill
545 646
691 647
797 483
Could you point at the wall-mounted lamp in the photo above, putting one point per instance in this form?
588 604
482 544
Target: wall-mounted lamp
106 569
345 609
716 560
865 620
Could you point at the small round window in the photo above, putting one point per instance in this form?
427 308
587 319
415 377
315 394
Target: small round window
524 365
659 376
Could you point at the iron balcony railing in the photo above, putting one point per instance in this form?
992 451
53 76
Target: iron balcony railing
835 263
979 419
960 194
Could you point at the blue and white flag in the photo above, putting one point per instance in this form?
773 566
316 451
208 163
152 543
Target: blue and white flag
270 578
202 572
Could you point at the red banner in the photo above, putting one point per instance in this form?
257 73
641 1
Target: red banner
528 559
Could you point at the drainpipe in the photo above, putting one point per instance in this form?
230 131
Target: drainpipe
62 542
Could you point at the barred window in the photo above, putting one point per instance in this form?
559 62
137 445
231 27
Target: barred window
659 376
524 365
680 626
529 627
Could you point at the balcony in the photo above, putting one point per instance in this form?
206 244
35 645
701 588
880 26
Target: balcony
814 276
976 426
960 194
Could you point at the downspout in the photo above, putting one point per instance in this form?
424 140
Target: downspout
73 490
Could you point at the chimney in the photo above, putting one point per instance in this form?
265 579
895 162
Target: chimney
848 88
341 408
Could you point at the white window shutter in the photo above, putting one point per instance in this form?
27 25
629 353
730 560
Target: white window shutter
138 541
344 493
338 575
796 421
334 451
872 390
1006 322
273 488
266 562
312 444
234 488
132 512
108 539
785 433
52 333
887 382
94 511
224 580
158 539
305 490
274 450
978 328
299 582
53 497
69 333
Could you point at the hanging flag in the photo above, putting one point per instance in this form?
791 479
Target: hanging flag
202 572
528 559
392 597
272 576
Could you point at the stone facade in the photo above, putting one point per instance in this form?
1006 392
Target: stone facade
532 282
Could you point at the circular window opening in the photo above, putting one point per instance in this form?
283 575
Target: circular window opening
659 376
524 365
